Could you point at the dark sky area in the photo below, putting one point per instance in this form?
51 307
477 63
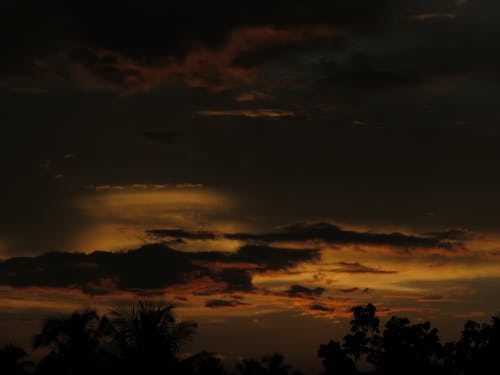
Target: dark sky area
265 164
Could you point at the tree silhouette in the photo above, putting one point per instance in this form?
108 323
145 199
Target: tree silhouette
336 360
203 363
12 360
275 364
74 341
409 348
269 365
250 367
363 341
478 349
145 338
403 348
148 337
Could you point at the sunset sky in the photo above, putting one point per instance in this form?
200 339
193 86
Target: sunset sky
266 165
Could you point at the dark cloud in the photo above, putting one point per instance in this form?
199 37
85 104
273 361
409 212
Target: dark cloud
355 290
175 241
303 291
269 258
333 234
144 270
448 40
322 308
126 269
324 232
360 71
119 42
277 258
237 279
141 45
218 303
451 235
355 267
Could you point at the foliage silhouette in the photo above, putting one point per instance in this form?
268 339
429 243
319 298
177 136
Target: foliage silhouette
363 340
12 360
74 343
335 359
269 365
405 348
148 337
478 349
408 349
145 338
202 363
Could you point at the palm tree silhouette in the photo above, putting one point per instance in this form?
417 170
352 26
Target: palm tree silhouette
148 336
74 341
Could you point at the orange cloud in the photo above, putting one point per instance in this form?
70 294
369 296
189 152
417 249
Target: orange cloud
251 113
251 96
119 214
431 16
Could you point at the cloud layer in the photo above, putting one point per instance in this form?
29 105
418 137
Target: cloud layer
330 234
150 269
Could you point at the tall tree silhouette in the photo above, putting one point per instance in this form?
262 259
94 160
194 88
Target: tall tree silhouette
403 348
148 337
12 360
73 341
336 360
478 349
409 348
363 341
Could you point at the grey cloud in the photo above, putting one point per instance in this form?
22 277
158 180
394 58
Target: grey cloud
322 308
355 267
303 291
144 270
220 303
98 36
325 232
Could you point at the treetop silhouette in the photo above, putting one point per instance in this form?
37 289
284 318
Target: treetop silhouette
146 338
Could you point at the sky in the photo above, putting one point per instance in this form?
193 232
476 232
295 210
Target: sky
264 165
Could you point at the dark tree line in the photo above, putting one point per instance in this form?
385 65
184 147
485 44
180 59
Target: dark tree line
411 349
145 338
